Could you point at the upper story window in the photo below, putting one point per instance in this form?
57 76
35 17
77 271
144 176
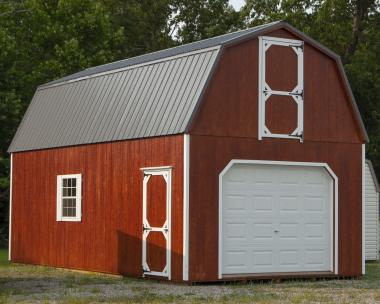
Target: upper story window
280 88
69 197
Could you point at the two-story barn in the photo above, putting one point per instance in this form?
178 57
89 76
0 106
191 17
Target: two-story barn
239 156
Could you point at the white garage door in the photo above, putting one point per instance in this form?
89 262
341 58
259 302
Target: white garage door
276 218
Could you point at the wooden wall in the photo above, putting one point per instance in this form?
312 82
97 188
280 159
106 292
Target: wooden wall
108 239
226 127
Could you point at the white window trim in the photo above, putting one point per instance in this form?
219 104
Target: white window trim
334 233
78 198
265 91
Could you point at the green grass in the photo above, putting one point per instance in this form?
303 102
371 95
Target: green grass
38 284
4 258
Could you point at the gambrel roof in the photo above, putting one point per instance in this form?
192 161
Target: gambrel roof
150 95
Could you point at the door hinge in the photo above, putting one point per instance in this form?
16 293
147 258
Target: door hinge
296 94
146 228
300 46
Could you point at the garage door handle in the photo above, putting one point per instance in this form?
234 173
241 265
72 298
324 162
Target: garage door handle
276 231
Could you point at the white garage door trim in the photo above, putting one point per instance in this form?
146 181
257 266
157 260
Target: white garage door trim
334 199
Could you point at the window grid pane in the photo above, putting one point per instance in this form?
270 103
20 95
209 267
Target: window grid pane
69 193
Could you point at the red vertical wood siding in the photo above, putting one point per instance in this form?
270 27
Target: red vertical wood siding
108 239
226 127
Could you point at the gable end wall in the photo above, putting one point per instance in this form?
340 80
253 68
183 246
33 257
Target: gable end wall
226 127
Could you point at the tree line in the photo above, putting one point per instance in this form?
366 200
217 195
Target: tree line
42 40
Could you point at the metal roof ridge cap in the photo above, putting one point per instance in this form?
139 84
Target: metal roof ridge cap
253 33
202 50
178 46
181 45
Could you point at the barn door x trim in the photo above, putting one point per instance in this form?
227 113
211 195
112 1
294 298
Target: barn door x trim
265 91
165 172
334 206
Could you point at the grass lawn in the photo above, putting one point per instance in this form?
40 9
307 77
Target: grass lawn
38 284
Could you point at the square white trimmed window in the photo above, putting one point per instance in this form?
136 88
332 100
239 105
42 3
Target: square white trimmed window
69 198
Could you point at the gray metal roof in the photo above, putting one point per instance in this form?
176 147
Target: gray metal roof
151 95
149 100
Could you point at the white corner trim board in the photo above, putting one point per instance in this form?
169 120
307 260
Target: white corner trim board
363 209
332 239
186 167
10 209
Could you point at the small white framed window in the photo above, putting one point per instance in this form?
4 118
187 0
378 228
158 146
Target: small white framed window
69 197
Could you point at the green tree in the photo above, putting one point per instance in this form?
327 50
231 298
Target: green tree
363 70
146 24
40 41
201 19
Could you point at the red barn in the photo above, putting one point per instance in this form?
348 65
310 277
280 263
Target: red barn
239 156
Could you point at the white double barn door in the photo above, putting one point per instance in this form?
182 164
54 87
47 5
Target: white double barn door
276 219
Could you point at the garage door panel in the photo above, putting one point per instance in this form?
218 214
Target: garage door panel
316 257
262 203
315 204
289 257
289 203
276 219
262 231
236 231
315 231
237 261
289 231
262 259
235 202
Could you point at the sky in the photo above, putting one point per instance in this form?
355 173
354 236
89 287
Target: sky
237 4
